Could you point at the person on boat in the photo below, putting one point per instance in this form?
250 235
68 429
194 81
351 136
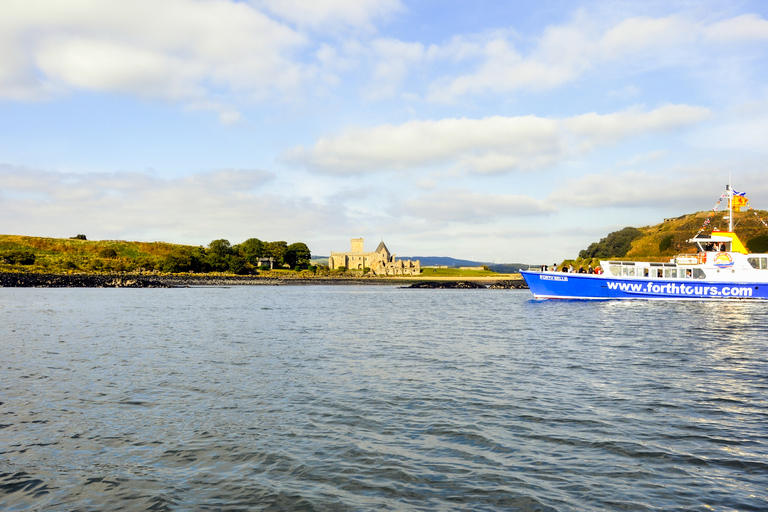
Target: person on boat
722 247
590 270
570 269
582 271
554 267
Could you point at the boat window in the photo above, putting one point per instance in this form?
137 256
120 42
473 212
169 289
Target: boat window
699 274
615 270
659 272
755 262
670 272
628 271
645 272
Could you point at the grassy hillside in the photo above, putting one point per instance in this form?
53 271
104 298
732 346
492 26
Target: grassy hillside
667 239
62 255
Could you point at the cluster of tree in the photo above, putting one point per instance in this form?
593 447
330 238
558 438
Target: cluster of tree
221 256
615 245
18 257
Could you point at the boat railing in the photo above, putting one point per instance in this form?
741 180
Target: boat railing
691 259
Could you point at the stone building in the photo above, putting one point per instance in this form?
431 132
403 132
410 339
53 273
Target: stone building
381 261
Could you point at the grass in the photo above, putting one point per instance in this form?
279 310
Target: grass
73 255
456 272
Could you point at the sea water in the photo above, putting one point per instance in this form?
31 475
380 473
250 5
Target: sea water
378 398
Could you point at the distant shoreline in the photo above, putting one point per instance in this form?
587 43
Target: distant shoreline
31 280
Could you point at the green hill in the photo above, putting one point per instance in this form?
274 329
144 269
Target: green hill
669 238
37 254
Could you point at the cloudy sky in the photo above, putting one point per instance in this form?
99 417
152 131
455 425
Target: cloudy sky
507 131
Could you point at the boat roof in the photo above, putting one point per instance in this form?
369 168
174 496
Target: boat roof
711 238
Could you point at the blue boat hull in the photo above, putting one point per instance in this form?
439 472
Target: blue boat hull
561 285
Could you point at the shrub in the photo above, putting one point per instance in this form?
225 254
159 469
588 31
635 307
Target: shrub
78 237
107 252
758 244
616 244
342 268
263 267
237 265
19 257
666 243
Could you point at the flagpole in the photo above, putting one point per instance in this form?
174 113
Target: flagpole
730 204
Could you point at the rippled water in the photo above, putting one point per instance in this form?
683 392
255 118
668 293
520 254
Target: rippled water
363 398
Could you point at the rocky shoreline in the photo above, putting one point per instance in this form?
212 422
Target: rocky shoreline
24 280
516 284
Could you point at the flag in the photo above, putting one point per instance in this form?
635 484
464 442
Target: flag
739 199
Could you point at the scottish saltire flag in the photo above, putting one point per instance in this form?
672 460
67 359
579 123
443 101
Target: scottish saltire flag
739 199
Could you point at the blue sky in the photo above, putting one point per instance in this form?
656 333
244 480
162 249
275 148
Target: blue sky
496 131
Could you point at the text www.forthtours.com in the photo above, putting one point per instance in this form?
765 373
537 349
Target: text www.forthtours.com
682 289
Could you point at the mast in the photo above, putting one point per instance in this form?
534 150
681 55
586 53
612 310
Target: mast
730 203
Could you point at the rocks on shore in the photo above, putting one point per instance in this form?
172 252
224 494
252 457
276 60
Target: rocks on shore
511 284
443 285
451 285
25 280
76 281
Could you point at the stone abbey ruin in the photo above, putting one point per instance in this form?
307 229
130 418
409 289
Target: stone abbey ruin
380 262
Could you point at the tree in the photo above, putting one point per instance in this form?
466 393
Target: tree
616 244
217 256
297 254
252 250
276 250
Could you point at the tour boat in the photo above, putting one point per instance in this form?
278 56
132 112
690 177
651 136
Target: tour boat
721 269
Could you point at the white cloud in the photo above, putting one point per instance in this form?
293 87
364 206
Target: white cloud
459 206
483 146
748 27
180 50
677 189
330 15
564 53
227 203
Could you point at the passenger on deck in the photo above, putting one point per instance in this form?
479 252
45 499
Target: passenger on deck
590 270
582 271
722 247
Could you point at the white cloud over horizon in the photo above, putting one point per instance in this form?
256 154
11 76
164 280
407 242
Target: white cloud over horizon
484 146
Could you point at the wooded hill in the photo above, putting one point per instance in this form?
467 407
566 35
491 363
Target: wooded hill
37 254
664 241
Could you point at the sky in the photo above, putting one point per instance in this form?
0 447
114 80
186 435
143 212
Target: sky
496 131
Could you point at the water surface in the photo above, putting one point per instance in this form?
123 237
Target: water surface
378 398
